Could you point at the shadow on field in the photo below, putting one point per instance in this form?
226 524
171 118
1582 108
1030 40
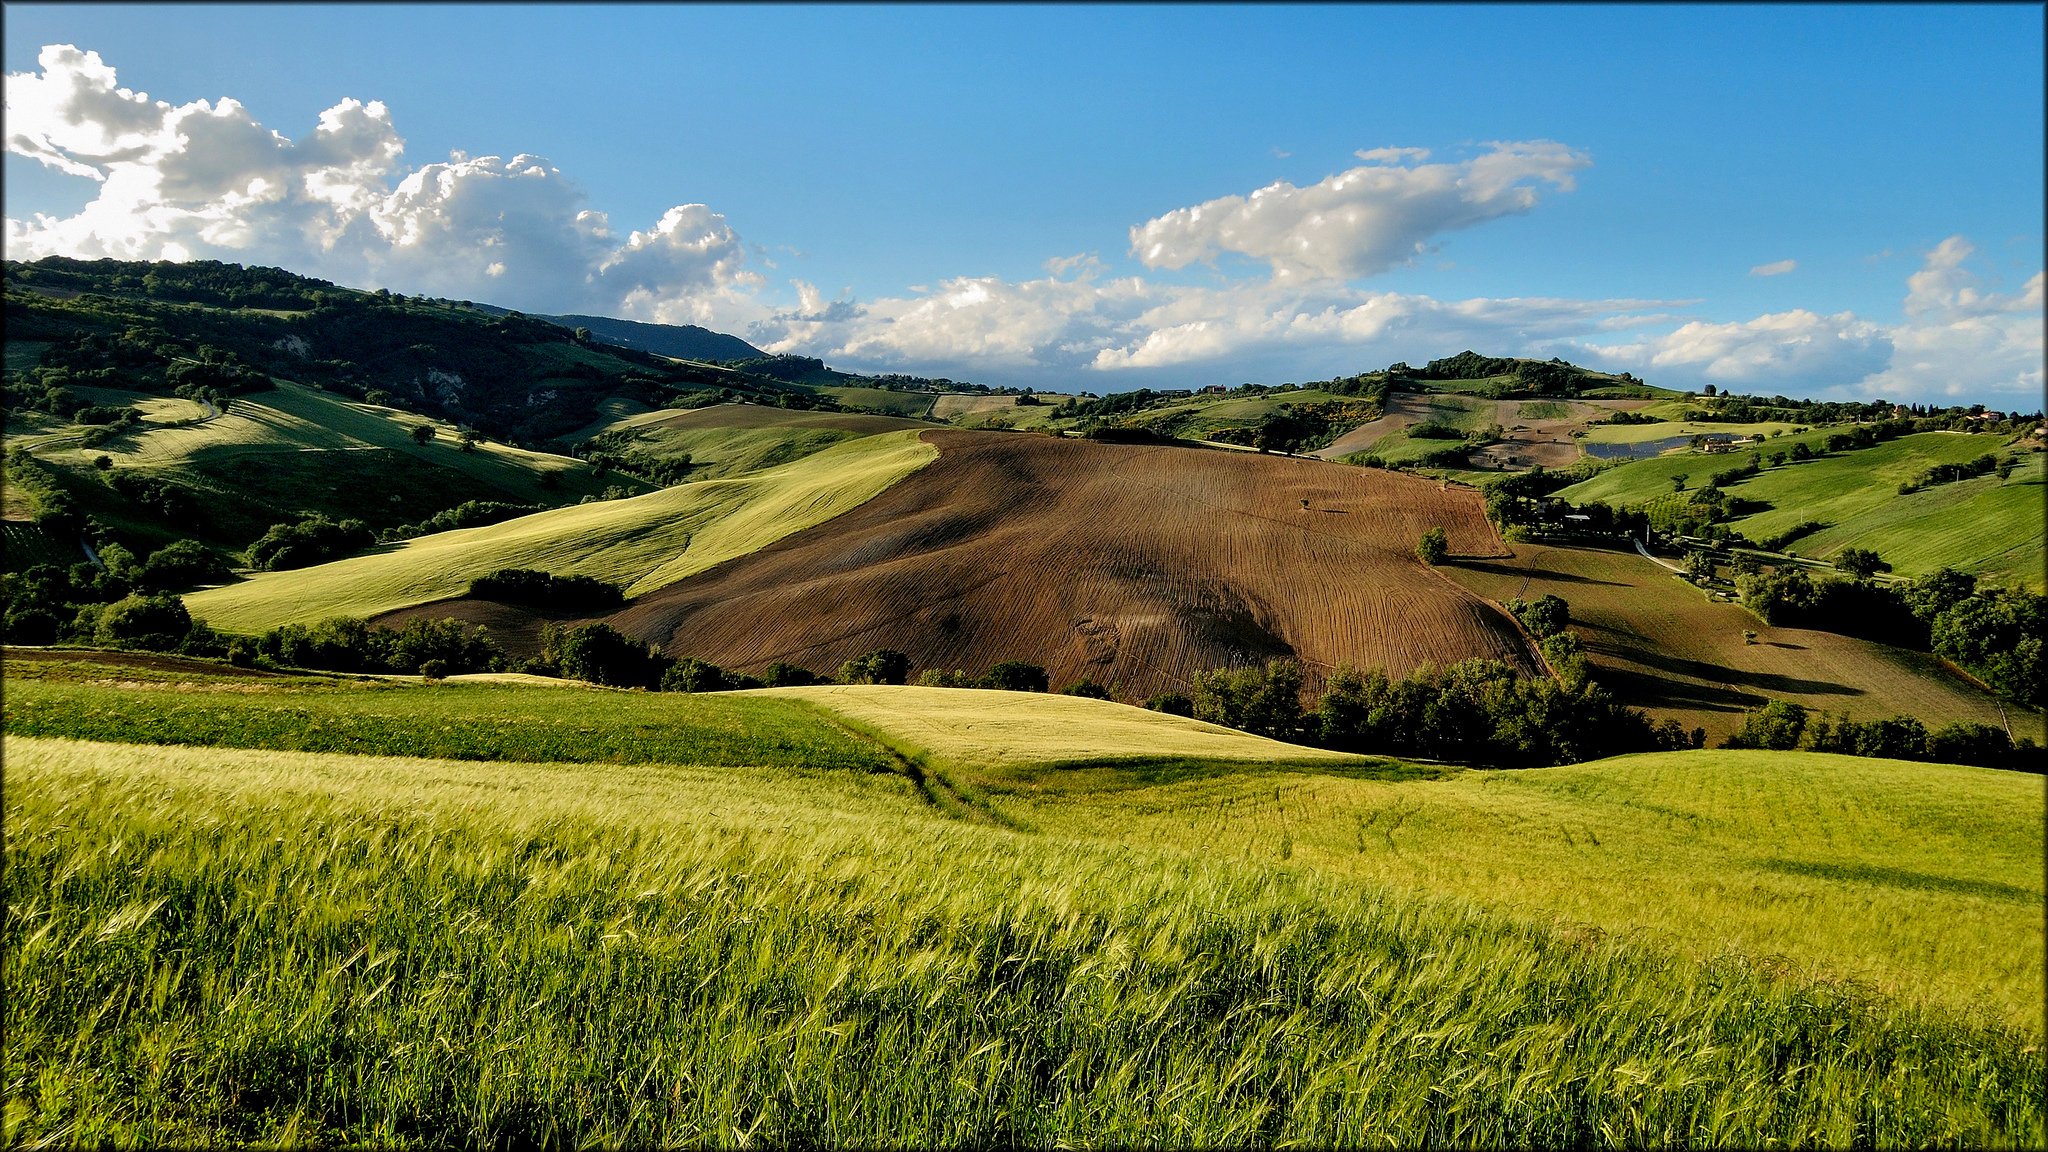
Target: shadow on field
1902 878
1523 571
1714 673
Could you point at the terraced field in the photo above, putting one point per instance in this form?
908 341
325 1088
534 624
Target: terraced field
641 543
1135 566
1663 646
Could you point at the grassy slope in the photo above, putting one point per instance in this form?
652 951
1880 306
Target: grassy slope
1985 525
282 947
911 404
1661 644
275 455
1011 733
1923 881
641 543
302 948
717 450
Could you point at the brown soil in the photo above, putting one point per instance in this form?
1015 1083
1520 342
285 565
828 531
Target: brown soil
1525 442
1133 565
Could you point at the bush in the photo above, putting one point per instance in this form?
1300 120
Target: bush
1016 676
156 623
882 666
1088 689
536 589
601 654
180 565
1776 726
1263 701
693 675
1433 547
943 678
1171 703
781 675
313 540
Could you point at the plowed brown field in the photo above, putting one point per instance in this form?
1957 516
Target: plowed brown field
1134 565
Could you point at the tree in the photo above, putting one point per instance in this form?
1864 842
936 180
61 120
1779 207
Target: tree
423 434
602 654
1433 547
1862 563
1086 688
1699 566
1678 482
1776 726
1263 701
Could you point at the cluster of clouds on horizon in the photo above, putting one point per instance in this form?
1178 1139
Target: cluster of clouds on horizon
205 180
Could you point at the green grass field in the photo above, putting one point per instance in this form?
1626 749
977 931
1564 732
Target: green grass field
716 451
1972 525
273 456
214 945
1985 525
916 405
642 543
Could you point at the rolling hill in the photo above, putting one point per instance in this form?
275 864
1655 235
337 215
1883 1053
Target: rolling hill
1668 648
641 543
1132 565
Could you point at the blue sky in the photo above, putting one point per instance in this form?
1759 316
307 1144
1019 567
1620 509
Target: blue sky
1825 200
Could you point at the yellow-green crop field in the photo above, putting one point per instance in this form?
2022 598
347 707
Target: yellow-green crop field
213 944
641 543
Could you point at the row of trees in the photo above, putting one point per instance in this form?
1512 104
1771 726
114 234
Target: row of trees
1781 725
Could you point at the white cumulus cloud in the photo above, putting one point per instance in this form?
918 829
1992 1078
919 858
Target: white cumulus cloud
1958 340
207 180
1361 221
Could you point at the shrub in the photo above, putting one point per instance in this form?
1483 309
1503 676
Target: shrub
1086 688
1776 726
1171 703
781 675
1433 547
157 623
536 589
1016 676
882 666
1263 701
602 654
313 540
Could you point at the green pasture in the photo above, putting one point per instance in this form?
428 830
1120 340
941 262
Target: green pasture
642 543
1981 525
715 452
392 717
916 405
212 946
1984 525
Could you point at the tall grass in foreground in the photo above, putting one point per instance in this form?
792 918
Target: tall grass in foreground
210 945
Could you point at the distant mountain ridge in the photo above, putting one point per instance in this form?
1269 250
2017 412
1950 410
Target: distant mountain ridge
682 341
